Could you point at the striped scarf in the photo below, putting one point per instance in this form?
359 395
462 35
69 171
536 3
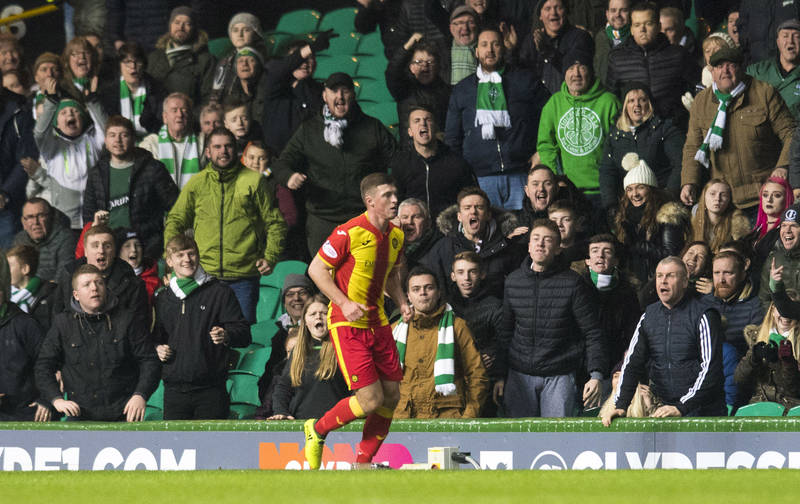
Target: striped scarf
334 128
131 106
444 366
182 287
713 139
174 51
26 296
617 37
491 109
190 164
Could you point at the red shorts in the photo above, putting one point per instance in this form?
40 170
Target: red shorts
366 355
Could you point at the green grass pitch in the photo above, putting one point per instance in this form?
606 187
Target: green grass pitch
407 487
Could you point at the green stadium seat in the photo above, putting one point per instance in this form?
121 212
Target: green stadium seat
794 411
299 21
244 389
269 303
333 63
339 20
152 413
253 360
219 46
370 43
242 411
345 44
276 42
385 112
262 332
373 66
157 397
765 409
283 268
374 91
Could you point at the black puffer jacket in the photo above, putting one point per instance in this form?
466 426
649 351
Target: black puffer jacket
550 324
681 349
313 397
407 91
185 324
154 98
483 314
152 194
285 107
657 141
667 69
739 312
435 180
644 252
104 359
20 338
499 255
555 54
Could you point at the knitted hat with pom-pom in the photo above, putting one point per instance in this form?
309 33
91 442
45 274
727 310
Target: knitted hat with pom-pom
638 171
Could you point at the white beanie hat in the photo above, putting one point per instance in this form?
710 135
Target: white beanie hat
638 171
247 19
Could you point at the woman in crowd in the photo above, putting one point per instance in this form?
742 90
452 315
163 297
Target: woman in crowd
648 224
696 256
135 96
716 220
770 365
79 61
650 137
775 197
311 383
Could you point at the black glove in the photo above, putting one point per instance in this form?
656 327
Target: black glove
758 354
771 352
323 41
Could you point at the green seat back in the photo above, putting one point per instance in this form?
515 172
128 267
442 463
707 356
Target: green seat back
767 409
299 21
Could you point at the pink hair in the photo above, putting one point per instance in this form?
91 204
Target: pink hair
762 224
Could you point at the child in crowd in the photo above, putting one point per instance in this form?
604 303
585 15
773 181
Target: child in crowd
257 157
29 292
573 243
197 318
238 120
131 251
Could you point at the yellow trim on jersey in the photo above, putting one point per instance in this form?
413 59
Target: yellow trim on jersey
326 262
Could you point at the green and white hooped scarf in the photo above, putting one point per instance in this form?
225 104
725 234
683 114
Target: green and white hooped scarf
131 106
713 139
334 128
616 37
26 296
190 164
604 283
182 287
444 366
491 109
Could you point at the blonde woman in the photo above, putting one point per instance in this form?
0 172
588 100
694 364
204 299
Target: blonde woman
770 365
643 404
311 383
716 219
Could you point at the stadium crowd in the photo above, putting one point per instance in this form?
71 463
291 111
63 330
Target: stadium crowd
597 206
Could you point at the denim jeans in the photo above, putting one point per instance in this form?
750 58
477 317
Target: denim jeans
246 291
504 191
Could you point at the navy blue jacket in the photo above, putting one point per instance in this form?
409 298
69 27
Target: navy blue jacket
681 348
512 148
743 311
16 142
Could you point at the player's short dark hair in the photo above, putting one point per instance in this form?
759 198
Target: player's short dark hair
374 180
469 256
83 270
26 255
604 238
121 122
421 270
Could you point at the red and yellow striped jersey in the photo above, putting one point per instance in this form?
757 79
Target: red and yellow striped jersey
362 258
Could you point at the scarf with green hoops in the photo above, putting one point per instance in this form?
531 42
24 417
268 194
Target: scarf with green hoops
26 296
131 105
491 109
182 287
617 37
190 164
605 283
713 139
444 366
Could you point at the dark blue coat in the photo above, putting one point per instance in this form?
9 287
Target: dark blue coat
16 142
512 148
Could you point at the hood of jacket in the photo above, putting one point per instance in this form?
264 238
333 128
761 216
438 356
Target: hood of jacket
78 311
674 214
502 222
200 42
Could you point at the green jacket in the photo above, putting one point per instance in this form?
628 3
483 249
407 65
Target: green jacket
789 87
235 220
571 133
332 190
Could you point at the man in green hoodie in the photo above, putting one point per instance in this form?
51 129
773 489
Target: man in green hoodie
237 225
573 125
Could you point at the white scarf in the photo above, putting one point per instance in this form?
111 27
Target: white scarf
334 128
444 368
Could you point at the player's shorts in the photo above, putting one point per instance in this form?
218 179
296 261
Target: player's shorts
366 355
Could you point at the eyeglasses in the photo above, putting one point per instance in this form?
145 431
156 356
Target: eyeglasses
423 63
38 217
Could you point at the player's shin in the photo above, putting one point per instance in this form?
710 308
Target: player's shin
344 412
376 428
